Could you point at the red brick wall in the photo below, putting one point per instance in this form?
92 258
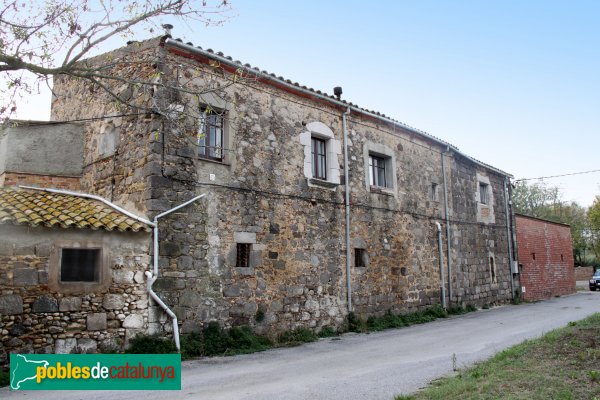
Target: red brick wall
551 273
46 181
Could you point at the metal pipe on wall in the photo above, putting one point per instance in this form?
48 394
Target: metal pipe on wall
347 210
448 239
441 256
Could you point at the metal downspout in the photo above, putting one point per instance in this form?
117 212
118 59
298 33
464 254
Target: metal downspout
509 238
448 239
441 255
152 276
347 210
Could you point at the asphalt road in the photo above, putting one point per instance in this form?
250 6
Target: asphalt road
358 366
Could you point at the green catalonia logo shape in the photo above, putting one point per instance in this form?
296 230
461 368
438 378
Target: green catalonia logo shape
95 372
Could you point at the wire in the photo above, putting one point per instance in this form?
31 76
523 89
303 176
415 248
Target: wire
41 123
558 176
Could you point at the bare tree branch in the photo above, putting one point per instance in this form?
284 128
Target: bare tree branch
52 39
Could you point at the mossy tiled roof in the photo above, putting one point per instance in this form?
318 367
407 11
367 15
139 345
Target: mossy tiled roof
39 208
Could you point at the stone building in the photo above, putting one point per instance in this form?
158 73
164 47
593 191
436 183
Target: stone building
71 274
269 245
545 258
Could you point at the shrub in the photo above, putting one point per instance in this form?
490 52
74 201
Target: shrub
297 336
243 340
216 340
355 324
327 331
237 340
151 344
192 345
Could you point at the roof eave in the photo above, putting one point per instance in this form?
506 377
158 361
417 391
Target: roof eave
339 103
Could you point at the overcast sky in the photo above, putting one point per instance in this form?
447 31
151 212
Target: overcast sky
515 84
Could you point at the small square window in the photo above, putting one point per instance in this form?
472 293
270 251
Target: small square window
434 192
79 265
484 197
243 255
210 134
360 258
319 158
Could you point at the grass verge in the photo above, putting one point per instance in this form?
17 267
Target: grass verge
563 364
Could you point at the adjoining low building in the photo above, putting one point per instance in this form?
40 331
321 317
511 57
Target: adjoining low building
71 274
545 258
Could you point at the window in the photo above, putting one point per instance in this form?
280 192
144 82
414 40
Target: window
377 171
483 193
360 258
79 265
243 255
319 158
434 190
562 257
533 255
492 269
210 134
322 152
380 168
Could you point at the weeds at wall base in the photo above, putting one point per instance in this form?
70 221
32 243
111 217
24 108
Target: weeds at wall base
217 341
390 321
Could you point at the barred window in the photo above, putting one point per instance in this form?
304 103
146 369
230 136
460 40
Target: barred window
243 255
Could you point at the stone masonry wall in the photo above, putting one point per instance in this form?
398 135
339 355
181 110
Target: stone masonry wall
259 195
36 319
476 244
546 258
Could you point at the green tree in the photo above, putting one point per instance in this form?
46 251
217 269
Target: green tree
593 217
542 201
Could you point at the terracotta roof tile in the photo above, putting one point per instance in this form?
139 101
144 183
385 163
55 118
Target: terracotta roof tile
39 208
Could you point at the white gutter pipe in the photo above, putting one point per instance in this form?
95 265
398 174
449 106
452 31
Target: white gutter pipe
347 210
153 276
441 255
448 239
93 197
